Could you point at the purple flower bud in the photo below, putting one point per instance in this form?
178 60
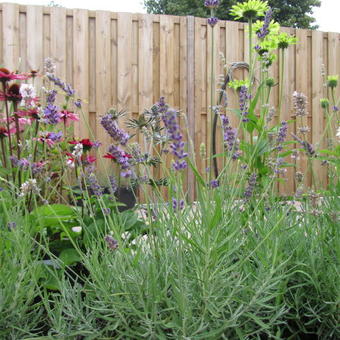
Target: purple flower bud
251 186
211 3
177 205
212 21
214 184
111 242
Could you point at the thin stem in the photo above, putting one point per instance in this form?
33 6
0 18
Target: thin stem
7 119
212 93
281 73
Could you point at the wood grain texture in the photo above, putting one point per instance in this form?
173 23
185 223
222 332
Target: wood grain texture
128 61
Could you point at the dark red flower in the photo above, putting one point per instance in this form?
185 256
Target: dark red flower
13 93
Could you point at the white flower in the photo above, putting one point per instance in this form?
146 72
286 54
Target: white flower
77 229
29 186
27 91
78 150
338 133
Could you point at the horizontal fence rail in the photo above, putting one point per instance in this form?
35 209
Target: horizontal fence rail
128 61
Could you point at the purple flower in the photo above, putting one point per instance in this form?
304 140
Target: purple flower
110 125
37 167
212 21
77 103
69 91
106 211
111 242
251 186
51 96
121 156
113 184
51 115
126 174
92 182
214 184
335 108
24 163
211 3
300 104
306 146
96 144
11 225
282 134
170 121
177 205
230 137
244 97
264 30
14 160
55 136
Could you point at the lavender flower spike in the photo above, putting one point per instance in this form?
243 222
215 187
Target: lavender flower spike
264 30
111 127
282 135
244 97
300 104
251 186
177 146
306 146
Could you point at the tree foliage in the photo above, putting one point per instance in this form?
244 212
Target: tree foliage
290 13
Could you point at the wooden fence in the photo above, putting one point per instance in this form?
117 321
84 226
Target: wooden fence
128 61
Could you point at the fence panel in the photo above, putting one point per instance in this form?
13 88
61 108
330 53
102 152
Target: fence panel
128 60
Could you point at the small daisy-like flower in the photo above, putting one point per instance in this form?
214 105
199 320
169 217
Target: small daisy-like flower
250 9
284 40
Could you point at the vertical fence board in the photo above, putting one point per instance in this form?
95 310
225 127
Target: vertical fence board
10 38
81 67
34 23
103 79
318 126
58 40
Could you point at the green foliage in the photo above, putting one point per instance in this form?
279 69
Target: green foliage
297 13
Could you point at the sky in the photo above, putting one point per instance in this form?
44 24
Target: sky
327 15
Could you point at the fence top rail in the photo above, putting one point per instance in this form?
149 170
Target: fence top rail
136 16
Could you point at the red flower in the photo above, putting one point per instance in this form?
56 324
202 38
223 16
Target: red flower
110 156
86 142
6 75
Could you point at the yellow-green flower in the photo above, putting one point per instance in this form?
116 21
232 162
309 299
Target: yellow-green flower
273 28
249 10
237 84
332 81
324 103
284 40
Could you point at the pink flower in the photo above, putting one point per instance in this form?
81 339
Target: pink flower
67 116
6 75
